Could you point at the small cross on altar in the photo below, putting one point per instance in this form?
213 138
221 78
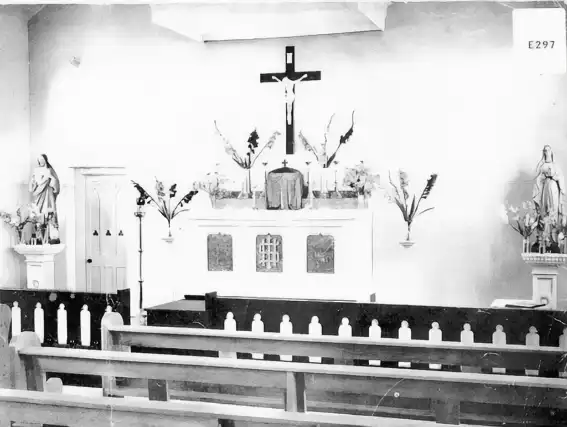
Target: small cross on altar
289 80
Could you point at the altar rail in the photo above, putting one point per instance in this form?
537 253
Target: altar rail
516 323
62 318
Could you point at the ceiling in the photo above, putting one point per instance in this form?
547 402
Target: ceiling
246 21
27 10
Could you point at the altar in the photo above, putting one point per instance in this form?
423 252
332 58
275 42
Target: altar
283 254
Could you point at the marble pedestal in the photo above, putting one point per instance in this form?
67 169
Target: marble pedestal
40 264
545 269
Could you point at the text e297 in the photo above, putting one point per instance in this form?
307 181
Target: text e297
541 44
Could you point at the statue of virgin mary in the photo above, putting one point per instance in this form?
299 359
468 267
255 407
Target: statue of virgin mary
549 189
44 187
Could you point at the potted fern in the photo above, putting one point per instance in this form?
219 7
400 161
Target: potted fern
410 210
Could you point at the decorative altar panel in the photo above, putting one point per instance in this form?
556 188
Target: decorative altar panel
324 254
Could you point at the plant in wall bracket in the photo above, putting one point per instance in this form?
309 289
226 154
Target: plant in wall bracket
164 201
410 209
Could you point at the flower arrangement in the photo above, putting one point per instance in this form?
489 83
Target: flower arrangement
252 154
522 219
247 161
401 197
361 180
212 185
321 154
163 201
28 214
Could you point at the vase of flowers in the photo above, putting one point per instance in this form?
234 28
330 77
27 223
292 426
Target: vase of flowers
362 182
401 197
164 202
26 214
247 161
523 220
212 185
321 154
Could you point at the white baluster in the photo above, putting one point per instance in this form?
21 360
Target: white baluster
257 327
315 329
375 334
229 326
85 326
62 325
16 320
39 322
435 336
345 330
286 328
499 339
532 340
467 338
563 346
404 333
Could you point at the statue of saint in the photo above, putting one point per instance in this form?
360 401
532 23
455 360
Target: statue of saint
549 189
289 86
44 187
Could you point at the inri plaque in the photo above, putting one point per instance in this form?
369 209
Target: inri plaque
269 253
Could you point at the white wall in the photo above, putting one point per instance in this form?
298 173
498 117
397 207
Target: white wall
14 134
436 92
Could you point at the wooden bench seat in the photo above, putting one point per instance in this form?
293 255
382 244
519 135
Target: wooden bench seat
78 411
294 380
506 390
513 357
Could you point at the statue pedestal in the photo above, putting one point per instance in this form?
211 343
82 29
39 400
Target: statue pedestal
545 269
40 264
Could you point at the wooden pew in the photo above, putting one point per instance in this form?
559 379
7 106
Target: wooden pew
516 357
31 361
446 389
76 411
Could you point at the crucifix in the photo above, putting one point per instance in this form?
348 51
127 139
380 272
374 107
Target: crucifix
288 80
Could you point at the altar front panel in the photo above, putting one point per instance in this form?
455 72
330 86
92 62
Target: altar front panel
340 254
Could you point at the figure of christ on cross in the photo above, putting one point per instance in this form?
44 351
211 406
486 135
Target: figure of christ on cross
288 80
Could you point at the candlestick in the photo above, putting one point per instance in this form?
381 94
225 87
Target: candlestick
140 214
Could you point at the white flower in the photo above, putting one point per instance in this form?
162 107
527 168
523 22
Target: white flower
561 236
503 213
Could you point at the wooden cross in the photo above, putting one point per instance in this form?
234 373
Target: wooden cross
289 80
284 163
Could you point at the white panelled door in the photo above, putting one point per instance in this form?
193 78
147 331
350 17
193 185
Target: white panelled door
105 255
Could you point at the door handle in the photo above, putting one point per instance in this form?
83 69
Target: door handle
89 261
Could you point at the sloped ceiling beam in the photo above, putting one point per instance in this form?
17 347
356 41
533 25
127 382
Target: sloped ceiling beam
241 21
179 19
376 12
